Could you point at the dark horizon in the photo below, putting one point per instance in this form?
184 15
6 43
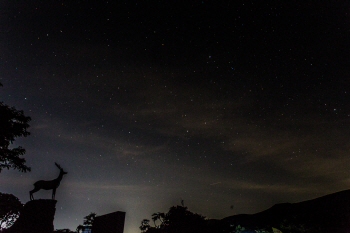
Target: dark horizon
239 104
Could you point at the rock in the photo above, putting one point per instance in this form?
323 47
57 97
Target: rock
37 216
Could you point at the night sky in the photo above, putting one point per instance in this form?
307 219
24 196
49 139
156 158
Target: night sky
239 104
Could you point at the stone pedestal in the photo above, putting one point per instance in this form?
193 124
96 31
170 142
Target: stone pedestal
37 216
109 223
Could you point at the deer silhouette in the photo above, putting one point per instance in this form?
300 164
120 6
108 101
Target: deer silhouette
48 184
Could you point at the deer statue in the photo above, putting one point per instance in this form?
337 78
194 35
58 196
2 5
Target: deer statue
48 184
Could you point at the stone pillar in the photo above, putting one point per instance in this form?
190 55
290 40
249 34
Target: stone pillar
109 223
37 216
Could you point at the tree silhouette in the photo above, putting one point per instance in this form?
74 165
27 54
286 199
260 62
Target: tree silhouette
10 207
88 222
158 216
145 226
13 124
80 228
178 219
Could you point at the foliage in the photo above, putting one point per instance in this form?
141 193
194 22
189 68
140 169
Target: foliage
158 216
10 207
292 225
66 230
80 228
237 229
88 221
145 225
13 124
241 229
178 219
261 231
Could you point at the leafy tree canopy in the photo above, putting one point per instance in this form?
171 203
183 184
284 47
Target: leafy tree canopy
178 219
88 221
13 124
10 207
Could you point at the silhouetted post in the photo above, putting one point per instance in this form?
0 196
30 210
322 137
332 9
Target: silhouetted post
109 223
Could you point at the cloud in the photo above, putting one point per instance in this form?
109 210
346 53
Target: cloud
86 134
157 110
102 187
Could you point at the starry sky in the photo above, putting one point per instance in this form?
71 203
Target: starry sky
241 103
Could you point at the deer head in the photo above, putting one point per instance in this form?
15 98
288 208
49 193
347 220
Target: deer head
61 169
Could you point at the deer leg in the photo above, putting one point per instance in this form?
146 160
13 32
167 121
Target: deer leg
53 194
33 191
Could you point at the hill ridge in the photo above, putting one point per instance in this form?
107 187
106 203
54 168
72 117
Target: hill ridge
328 213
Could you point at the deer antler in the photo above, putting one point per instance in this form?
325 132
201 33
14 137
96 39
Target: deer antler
58 165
